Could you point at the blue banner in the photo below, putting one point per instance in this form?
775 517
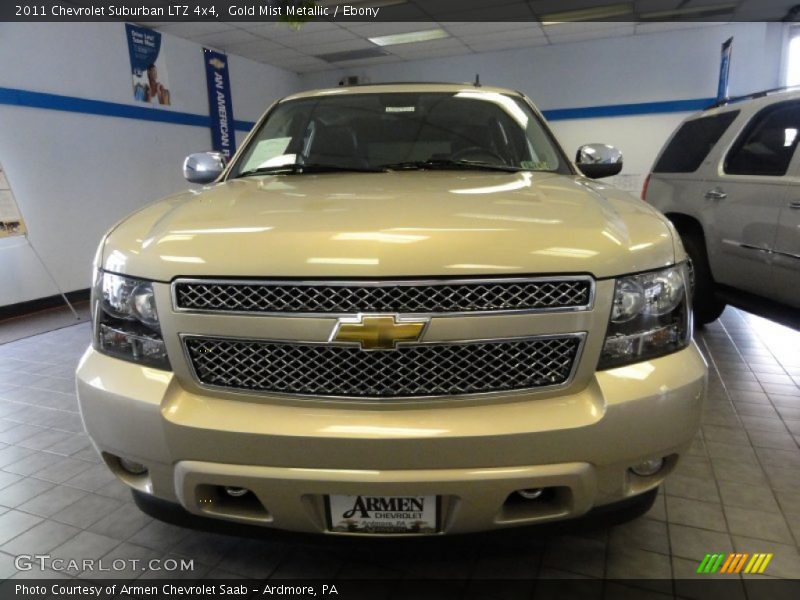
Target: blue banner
724 69
149 74
220 106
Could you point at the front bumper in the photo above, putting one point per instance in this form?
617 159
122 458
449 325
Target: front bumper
474 457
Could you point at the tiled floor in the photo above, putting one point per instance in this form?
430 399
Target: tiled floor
738 489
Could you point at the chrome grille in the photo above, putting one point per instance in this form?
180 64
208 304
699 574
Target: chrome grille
438 296
411 370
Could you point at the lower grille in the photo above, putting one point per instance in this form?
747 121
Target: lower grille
408 371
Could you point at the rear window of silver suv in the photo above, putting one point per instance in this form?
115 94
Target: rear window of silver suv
692 143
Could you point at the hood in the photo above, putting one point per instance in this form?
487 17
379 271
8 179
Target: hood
414 223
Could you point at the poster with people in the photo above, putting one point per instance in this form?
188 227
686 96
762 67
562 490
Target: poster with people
150 81
11 222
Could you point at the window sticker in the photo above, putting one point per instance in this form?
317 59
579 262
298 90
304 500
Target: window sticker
266 152
535 165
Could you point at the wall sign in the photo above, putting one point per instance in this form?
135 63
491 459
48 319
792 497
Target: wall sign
11 222
150 82
220 105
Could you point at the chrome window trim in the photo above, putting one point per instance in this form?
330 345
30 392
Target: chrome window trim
580 335
383 283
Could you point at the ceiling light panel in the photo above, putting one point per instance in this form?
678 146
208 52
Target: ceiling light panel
409 38
708 10
597 13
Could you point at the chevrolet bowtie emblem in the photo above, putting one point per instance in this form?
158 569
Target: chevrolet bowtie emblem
377 332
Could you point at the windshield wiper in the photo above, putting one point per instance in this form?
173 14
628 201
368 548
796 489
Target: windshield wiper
444 163
299 169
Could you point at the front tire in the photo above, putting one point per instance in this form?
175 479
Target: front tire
707 307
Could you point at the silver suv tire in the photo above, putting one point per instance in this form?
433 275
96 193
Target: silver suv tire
707 307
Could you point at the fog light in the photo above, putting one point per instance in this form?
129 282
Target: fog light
236 492
531 493
132 467
648 467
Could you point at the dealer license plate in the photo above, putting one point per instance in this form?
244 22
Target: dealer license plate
383 514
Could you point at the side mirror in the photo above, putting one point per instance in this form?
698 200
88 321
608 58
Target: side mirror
203 167
599 160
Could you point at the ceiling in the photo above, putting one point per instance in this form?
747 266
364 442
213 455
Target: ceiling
323 45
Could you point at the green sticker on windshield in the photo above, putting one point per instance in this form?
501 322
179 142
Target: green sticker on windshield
534 165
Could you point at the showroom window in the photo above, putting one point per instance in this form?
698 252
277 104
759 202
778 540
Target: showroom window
767 145
693 142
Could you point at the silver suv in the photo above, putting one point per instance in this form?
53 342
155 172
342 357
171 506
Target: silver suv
729 180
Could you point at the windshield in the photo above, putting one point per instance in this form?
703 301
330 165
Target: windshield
399 131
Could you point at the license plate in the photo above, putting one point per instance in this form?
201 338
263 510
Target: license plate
383 514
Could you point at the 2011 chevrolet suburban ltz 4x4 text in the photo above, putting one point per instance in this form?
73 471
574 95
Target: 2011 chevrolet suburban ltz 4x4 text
398 310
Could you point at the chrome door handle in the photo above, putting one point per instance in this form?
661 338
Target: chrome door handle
795 204
715 194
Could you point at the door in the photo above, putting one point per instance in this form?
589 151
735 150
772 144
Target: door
744 200
786 258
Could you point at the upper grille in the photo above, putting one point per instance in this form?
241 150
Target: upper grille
391 296
410 370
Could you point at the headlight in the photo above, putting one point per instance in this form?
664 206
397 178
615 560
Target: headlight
651 316
126 320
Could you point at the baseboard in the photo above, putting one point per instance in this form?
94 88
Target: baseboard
31 306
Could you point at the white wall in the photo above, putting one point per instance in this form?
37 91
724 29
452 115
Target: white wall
73 174
660 66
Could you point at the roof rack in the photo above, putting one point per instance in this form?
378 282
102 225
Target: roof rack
753 95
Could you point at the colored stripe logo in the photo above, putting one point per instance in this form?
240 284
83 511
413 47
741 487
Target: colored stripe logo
733 563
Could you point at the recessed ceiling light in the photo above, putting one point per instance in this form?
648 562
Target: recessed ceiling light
588 14
409 38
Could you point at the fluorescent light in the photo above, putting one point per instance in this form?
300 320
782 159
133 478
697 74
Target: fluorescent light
702 11
588 14
409 38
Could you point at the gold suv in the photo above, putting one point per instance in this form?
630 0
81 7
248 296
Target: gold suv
397 310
